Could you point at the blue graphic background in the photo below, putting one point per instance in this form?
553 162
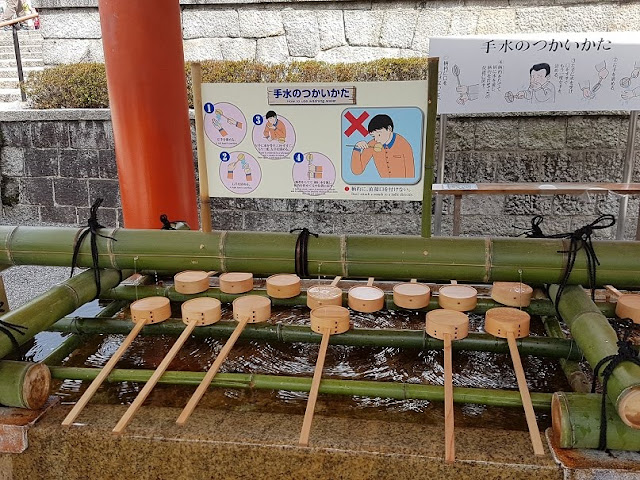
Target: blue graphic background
407 121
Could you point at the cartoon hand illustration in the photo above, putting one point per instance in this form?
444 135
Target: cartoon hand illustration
521 94
462 89
361 145
629 94
460 101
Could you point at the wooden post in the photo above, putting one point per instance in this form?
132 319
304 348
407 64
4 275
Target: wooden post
203 176
430 145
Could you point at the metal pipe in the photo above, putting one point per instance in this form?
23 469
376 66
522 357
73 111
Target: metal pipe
629 162
16 48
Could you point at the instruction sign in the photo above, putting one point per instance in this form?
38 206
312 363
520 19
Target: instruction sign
542 72
358 141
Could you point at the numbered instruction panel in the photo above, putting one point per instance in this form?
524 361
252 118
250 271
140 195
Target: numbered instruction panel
360 141
535 73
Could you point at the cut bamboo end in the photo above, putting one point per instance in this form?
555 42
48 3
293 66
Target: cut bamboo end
628 306
204 310
323 295
501 321
411 295
458 297
236 282
366 299
283 285
332 319
36 385
447 322
255 307
150 310
629 407
190 282
24 384
512 294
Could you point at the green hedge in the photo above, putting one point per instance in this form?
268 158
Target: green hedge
84 85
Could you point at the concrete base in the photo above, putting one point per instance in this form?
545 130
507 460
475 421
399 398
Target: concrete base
15 424
220 444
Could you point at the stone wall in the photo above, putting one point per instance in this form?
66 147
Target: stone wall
333 31
53 164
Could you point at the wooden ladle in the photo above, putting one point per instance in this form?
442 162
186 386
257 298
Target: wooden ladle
329 320
246 309
512 294
511 323
283 285
323 295
195 312
192 281
448 325
145 311
236 282
366 298
457 297
628 304
411 295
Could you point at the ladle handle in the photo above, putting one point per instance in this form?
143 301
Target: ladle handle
104 373
313 393
212 272
335 281
146 390
449 441
413 280
613 290
206 381
529 413
370 281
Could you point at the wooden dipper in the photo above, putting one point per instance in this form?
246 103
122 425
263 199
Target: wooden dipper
512 294
195 312
448 325
329 320
323 295
143 312
236 282
511 323
192 281
283 285
246 309
628 304
458 297
411 295
366 299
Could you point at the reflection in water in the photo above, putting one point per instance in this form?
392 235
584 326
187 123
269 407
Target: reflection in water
471 369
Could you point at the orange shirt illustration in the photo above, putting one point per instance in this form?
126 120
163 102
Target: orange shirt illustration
390 151
274 129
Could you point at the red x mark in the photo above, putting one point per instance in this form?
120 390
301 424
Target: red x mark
356 124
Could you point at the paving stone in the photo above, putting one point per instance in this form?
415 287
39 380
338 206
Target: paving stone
36 191
41 162
79 163
71 192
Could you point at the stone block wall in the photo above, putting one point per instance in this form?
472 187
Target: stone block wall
53 164
332 31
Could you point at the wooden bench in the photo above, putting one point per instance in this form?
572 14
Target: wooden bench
458 190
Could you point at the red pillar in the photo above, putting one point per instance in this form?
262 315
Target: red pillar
148 98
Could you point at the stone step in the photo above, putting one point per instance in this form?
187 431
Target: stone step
31 50
26 62
9 72
30 56
8 83
24 38
9 94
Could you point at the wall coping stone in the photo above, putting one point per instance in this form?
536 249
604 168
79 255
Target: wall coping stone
94 3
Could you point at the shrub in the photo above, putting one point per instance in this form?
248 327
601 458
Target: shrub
84 85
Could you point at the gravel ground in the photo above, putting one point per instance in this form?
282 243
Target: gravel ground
26 282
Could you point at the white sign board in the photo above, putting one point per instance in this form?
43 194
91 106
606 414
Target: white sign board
543 72
357 141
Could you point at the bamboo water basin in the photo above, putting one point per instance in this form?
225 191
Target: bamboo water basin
471 369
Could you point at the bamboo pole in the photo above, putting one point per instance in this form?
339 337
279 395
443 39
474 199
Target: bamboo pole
441 258
576 423
409 339
43 311
24 384
126 292
597 340
400 391
575 376
203 177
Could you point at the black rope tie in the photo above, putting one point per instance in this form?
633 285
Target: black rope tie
578 240
626 353
92 228
302 246
9 329
168 224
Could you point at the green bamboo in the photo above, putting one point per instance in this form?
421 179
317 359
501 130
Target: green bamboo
571 368
43 311
576 423
438 259
430 142
409 339
538 307
400 391
597 340
23 384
